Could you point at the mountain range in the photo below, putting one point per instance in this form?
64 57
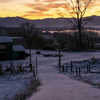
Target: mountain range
45 24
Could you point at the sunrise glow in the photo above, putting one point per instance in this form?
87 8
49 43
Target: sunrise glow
36 9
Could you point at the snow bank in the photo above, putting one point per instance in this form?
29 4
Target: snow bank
56 86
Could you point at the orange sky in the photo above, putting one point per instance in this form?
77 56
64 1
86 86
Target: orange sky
34 9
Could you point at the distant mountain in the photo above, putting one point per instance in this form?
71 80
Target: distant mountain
45 24
16 21
12 21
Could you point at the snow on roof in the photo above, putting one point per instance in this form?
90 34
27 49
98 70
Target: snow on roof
17 37
18 48
5 39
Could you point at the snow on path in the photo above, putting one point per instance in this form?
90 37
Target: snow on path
57 86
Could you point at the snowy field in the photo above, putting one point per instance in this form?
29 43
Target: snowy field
55 85
84 70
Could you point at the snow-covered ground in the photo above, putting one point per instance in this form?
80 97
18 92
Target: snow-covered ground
89 70
55 85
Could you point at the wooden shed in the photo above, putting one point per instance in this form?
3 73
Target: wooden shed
5 48
18 52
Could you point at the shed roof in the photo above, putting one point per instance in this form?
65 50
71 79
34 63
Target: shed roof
16 37
5 39
18 48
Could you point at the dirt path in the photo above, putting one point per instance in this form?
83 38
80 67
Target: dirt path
57 86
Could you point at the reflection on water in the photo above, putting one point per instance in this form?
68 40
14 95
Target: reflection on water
98 31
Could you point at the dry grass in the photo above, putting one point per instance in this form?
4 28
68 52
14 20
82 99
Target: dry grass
30 88
85 80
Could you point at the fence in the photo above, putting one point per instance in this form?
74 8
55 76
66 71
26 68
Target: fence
15 68
77 70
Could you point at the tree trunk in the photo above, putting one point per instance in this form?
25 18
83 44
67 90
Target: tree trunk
30 56
59 59
80 33
80 39
30 65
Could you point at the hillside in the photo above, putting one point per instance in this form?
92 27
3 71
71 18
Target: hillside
16 21
46 24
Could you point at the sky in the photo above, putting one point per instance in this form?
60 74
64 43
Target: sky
34 9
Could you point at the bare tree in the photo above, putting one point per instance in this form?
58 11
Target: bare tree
89 38
62 39
70 40
77 10
39 42
28 30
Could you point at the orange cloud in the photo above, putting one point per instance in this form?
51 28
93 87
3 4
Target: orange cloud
36 15
51 0
43 7
47 0
36 0
55 5
33 12
42 10
5 9
4 1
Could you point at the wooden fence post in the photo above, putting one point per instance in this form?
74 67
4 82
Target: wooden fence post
11 67
71 66
59 61
63 68
30 65
33 71
89 68
36 66
79 71
20 68
76 71
66 68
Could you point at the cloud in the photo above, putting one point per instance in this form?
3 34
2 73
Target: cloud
5 9
33 12
46 0
37 6
5 1
43 7
36 0
36 15
51 0
55 5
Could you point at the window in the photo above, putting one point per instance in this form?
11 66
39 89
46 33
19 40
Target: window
2 47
